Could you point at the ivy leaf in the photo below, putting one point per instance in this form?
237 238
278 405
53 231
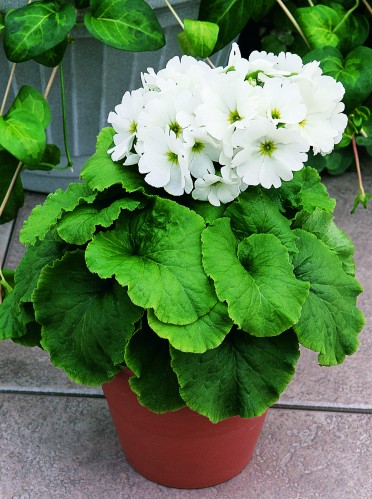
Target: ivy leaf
156 252
44 217
198 38
8 166
353 31
154 381
125 24
266 297
73 335
230 15
14 314
78 226
321 224
30 99
22 135
208 331
54 56
35 28
241 377
50 159
330 321
100 172
354 72
255 213
318 23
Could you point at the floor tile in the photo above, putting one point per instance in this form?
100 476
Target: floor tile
5 232
66 447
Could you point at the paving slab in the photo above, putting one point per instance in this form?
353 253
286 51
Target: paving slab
5 232
66 447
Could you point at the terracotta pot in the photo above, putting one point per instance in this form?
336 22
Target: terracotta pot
179 449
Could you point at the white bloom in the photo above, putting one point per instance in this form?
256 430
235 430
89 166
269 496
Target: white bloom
288 62
217 189
201 151
230 103
124 121
268 154
163 160
281 102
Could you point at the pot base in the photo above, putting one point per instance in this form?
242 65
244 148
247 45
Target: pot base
180 449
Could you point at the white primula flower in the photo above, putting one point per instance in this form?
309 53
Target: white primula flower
288 62
201 151
163 160
230 103
281 102
124 121
217 189
267 154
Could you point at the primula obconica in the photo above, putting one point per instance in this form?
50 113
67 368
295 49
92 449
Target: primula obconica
212 132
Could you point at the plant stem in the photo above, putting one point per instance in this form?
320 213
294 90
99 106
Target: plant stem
10 188
64 124
293 21
310 3
175 14
369 8
357 164
50 82
363 133
348 14
7 90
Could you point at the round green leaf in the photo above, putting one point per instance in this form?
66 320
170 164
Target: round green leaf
241 377
255 213
37 27
73 329
330 321
156 252
265 298
207 332
318 23
198 38
125 24
154 381
32 100
54 56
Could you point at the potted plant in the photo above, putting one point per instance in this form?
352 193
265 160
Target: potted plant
195 257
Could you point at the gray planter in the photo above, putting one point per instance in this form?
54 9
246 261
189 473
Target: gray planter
96 77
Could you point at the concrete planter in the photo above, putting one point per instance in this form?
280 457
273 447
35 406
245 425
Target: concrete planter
96 77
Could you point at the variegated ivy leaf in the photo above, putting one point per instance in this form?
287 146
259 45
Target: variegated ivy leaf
255 278
101 172
255 213
330 321
242 377
321 224
78 226
44 217
208 331
74 335
156 252
154 381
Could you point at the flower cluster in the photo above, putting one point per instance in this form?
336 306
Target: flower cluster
212 132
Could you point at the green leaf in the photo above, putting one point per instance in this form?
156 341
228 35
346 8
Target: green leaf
22 135
198 38
321 224
100 172
306 191
230 15
241 377
318 23
35 28
78 226
32 337
73 329
44 217
14 313
206 210
54 56
156 252
8 166
354 72
266 297
50 159
255 213
335 163
154 381
207 332
330 321
354 29
366 141
30 99
124 24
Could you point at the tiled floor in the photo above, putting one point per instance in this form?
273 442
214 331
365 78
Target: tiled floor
57 439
